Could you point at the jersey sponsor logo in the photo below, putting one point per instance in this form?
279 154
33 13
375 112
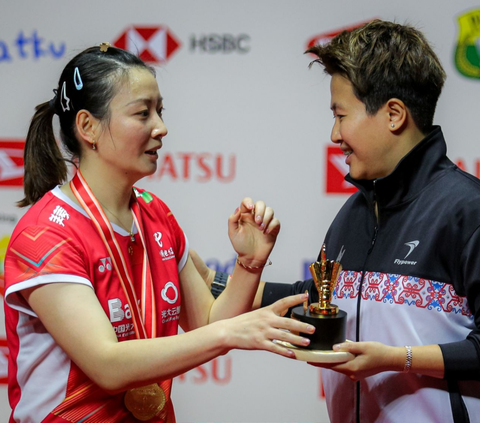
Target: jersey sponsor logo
59 215
411 246
467 51
105 264
158 239
170 314
336 171
154 44
170 293
11 163
167 253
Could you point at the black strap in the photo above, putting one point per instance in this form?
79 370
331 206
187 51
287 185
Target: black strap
459 411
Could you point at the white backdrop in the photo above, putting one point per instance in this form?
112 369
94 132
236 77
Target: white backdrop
245 117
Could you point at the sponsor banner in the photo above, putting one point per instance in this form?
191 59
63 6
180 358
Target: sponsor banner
467 51
153 44
11 163
336 170
30 45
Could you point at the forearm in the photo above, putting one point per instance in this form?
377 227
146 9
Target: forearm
426 360
150 360
239 294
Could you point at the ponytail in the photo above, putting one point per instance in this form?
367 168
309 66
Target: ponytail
45 166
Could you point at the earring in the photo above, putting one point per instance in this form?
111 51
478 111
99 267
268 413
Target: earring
392 125
94 147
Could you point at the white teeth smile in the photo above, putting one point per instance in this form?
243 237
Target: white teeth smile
347 153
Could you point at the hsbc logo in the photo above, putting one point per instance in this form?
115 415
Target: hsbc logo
336 171
152 44
11 163
327 36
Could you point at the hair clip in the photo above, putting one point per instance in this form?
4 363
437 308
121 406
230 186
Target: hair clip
77 79
104 47
64 100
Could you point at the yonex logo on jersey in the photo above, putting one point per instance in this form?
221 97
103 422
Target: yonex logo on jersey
170 293
105 264
158 237
59 215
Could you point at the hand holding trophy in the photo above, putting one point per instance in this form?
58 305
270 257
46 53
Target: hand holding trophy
330 322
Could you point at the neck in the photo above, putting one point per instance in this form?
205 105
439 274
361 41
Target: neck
113 193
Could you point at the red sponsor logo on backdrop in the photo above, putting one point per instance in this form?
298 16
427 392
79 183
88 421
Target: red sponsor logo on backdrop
336 171
218 371
11 163
197 167
470 166
152 44
327 36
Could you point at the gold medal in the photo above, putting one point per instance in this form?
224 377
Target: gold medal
145 402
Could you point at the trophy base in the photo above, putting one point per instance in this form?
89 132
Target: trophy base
329 329
313 356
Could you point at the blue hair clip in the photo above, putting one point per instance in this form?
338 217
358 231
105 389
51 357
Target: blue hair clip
77 79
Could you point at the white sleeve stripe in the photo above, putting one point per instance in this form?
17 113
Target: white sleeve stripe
18 303
183 260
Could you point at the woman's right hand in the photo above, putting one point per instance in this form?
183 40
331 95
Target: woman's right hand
258 329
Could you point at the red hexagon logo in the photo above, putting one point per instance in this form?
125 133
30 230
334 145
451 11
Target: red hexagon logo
151 44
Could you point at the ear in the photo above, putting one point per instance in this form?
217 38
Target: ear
397 112
87 126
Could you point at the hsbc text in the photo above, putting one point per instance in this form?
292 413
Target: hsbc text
220 43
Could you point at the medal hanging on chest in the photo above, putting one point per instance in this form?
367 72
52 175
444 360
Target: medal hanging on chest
147 401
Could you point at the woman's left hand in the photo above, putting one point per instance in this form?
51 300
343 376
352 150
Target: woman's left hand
253 230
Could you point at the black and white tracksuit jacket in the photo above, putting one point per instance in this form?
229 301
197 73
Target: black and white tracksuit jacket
417 267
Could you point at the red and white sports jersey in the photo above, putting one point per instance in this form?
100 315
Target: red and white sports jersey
56 242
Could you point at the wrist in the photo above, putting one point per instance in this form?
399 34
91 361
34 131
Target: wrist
252 264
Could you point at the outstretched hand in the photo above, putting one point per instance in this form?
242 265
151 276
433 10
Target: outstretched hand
258 329
253 230
370 358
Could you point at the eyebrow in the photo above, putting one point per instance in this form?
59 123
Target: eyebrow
145 100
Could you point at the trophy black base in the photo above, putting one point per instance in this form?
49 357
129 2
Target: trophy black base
329 330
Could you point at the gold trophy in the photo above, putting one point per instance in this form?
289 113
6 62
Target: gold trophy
329 321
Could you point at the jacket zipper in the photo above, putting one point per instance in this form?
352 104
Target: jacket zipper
359 300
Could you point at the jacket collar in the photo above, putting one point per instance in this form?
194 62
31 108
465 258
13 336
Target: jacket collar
424 163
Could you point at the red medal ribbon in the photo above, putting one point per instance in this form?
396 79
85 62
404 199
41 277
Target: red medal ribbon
143 315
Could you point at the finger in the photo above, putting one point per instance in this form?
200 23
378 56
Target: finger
285 336
246 206
267 217
281 306
352 347
234 219
259 212
273 227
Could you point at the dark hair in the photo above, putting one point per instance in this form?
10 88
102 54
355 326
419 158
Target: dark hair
89 81
386 60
